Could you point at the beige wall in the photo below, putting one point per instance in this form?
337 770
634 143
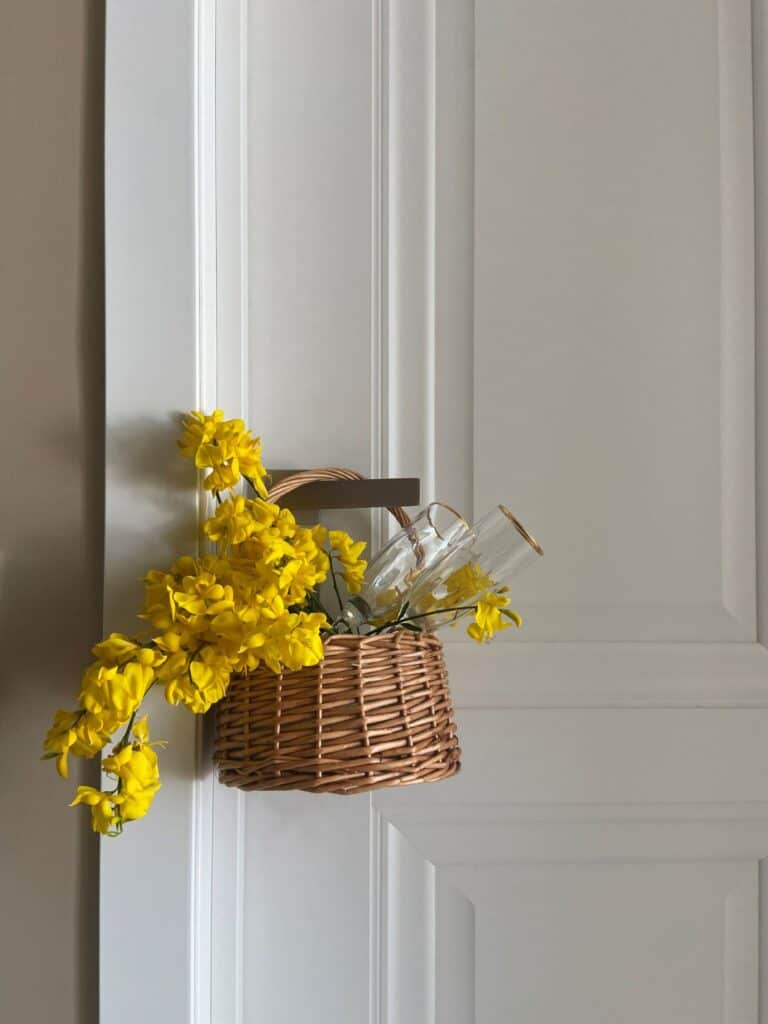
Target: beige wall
51 408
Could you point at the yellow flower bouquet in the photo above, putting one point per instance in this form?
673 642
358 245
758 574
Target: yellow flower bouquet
255 600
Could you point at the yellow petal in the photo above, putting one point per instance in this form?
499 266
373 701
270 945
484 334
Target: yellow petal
141 730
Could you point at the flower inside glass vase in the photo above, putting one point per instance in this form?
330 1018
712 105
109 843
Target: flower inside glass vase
474 577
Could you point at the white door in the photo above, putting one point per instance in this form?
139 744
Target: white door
507 246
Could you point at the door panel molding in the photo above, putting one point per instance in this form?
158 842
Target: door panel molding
438 881
171 906
617 675
148 877
637 353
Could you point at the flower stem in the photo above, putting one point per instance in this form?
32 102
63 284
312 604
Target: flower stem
123 741
333 578
253 487
422 615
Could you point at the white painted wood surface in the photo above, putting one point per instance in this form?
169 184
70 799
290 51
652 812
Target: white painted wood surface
147 923
508 248
614 282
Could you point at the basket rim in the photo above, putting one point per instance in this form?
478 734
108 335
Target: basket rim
397 636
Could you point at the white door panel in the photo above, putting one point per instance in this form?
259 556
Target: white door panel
306 908
507 247
614 335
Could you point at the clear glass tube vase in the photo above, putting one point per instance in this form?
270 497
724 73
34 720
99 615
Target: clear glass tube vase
494 551
431 536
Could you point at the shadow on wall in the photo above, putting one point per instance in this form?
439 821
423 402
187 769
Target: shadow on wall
145 464
51 516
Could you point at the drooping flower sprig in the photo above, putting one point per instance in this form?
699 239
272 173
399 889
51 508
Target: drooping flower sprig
253 600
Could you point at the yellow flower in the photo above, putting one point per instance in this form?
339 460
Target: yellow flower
275 548
172 640
93 732
213 564
346 549
140 731
232 523
115 691
135 805
204 683
464 584
245 453
240 636
354 575
202 594
174 666
135 766
294 641
159 605
226 448
299 576
490 615
312 568
266 514
78 733
150 656
181 602
197 440
274 532
348 553
460 589
223 476
210 671
60 738
116 649
104 815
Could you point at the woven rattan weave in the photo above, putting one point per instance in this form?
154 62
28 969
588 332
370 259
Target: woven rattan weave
375 712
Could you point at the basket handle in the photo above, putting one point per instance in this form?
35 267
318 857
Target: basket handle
311 476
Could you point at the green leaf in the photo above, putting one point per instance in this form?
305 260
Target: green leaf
411 627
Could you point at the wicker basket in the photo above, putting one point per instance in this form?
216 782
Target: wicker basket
375 712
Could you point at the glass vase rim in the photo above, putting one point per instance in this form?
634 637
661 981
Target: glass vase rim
527 537
451 509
